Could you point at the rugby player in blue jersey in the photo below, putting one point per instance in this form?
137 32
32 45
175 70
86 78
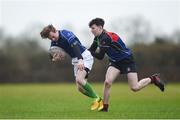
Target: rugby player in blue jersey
82 60
120 61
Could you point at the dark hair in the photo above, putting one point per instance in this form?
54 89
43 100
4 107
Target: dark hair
46 30
97 21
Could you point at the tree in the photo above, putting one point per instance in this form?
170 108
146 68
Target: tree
135 29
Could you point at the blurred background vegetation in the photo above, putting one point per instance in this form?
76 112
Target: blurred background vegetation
24 59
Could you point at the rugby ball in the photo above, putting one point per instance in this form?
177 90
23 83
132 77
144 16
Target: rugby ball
55 49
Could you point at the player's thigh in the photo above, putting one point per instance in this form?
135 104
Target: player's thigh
80 77
132 78
78 73
112 74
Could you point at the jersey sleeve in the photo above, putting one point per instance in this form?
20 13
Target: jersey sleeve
73 41
77 51
93 46
69 36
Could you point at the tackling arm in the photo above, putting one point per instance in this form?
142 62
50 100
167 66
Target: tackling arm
104 45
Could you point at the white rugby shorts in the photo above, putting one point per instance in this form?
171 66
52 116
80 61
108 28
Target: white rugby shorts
87 59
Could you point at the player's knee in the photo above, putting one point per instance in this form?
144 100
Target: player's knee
79 81
107 83
135 88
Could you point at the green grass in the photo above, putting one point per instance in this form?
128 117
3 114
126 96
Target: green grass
64 101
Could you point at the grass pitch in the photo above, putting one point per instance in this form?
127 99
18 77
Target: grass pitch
64 101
